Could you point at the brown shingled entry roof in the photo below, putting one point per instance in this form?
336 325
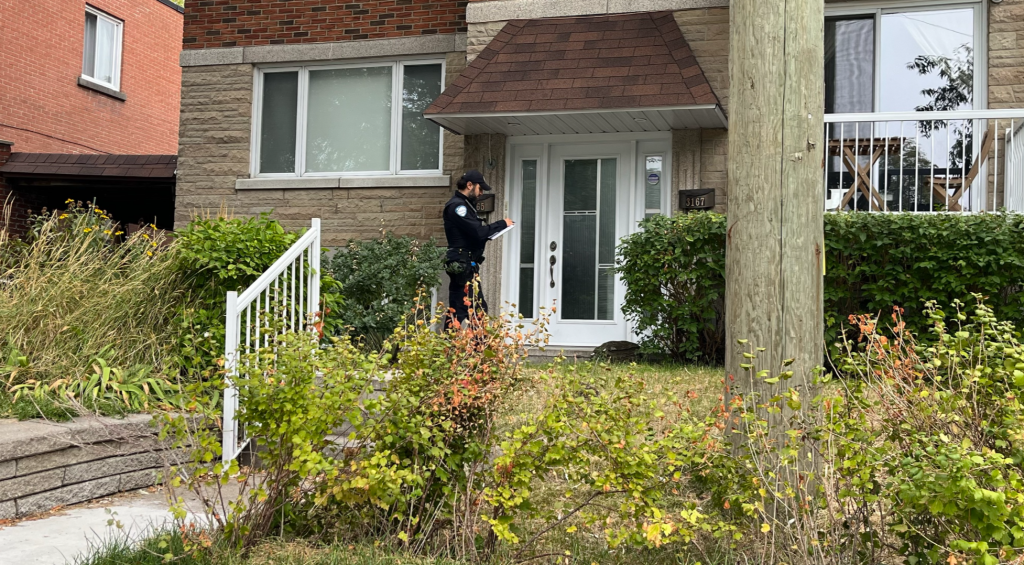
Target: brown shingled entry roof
90 165
567 65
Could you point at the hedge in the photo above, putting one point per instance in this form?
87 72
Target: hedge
674 272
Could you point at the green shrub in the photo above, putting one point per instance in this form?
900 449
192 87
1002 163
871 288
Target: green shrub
674 272
877 261
217 255
620 455
416 456
933 434
381 279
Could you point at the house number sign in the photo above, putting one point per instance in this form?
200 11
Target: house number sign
703 199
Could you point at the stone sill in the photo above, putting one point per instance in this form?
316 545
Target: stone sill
396 181
86 83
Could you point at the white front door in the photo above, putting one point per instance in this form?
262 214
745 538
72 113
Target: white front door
584 220
573 203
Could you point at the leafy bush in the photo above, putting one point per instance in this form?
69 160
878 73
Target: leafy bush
951 411
621 454
915 457
877 261
674 272
217 255
433 431
412 452
381 279
71 293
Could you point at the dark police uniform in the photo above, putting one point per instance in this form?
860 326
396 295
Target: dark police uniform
467 234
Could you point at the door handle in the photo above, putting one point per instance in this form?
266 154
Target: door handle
552 262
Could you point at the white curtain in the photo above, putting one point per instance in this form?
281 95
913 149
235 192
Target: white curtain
100 53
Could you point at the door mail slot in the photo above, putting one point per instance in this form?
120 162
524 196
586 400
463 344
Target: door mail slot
485 204
701 199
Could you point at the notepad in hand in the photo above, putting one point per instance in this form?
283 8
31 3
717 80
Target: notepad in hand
502 232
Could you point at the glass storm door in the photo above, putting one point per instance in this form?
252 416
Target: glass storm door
587 212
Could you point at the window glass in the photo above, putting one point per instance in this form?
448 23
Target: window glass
347 119
421 85
277 135
849 65
99 57
652 185
528 240
927 61
348 127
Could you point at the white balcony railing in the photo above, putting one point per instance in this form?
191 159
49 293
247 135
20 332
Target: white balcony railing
962 161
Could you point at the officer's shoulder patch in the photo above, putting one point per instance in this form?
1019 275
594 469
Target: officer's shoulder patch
461 211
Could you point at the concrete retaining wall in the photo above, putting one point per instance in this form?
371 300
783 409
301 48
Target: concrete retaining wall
45 464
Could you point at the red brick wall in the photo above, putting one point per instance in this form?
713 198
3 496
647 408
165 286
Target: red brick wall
42 108
236 23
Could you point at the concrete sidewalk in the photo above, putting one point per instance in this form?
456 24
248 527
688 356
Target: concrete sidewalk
61 537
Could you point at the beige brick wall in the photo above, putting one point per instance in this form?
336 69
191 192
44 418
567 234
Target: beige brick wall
214 152
479 35
1006 54
707 32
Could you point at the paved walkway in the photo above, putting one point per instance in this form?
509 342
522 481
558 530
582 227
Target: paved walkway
61 537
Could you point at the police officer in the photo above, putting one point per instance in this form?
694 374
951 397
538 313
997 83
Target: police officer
467 234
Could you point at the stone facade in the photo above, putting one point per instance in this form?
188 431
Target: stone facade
216 123
478 36
1006 54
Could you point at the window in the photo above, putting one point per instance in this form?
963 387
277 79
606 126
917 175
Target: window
528 237
910 56
892 60
361 119
101 56
652 185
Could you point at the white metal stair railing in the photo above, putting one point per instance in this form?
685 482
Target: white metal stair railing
286 297
956 161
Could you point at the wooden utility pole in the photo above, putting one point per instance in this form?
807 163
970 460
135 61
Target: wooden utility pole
774 243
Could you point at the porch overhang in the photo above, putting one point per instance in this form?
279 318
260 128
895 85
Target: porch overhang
621 120
585 75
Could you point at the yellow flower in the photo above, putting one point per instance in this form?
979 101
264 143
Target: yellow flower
150 253
87 230
62 216
106 232
118 233
145 236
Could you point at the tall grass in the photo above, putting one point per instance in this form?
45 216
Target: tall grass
70 294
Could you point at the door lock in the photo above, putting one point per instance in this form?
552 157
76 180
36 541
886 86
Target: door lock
552 261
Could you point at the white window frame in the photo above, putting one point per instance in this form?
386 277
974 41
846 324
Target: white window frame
877 9
398 87
118 48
